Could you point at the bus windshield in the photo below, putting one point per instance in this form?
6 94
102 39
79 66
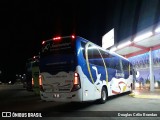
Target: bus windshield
64 46
58 55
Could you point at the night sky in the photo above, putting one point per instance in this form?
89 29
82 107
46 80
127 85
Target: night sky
25 24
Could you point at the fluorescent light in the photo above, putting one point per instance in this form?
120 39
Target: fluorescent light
157 30
143 36
113 49
124 44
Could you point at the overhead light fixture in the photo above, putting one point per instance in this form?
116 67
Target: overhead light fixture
124 44
113 49
157 30
143 36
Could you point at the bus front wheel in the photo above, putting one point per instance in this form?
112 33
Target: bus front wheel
104 95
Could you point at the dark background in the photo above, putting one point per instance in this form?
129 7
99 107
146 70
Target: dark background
25 24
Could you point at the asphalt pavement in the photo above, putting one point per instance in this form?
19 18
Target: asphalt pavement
15 98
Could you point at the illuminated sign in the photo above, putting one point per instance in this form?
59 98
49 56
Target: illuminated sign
108 39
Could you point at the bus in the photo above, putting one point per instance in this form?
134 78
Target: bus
28 81
35 75
32 75
73 69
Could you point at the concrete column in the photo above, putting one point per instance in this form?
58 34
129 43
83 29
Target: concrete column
151 70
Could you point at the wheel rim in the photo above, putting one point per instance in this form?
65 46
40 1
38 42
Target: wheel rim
103 95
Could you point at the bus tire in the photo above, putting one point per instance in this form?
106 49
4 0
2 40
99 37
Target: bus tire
104 95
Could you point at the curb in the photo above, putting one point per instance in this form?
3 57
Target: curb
144 96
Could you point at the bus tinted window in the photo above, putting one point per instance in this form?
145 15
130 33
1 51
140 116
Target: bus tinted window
61 46
125 65
83 50
94 55
108 59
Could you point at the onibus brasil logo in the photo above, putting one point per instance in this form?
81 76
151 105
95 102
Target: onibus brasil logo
18 114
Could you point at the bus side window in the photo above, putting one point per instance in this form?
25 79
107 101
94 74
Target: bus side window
83 49
117 64
131 69
94 56
108 59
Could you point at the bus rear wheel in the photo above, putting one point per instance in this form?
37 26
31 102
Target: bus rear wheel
104 95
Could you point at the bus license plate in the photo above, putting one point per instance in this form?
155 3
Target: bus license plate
56 95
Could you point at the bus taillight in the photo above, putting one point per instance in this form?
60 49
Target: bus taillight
32 82
43 42
76 79
73 36
76 82
40 83
56 38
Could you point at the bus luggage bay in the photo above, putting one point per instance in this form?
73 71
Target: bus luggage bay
75 69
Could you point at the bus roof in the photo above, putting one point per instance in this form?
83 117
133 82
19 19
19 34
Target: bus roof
85 40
